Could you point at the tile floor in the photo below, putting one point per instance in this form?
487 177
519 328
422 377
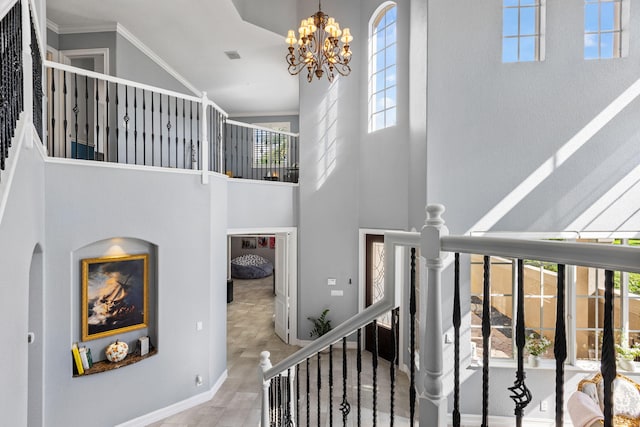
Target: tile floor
250 331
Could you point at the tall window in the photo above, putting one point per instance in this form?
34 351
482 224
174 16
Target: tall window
602 29
382 68
522 22
585 320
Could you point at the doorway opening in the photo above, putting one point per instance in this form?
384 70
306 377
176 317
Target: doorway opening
35 399
267 257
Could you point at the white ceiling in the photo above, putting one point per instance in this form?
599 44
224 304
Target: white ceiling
192 36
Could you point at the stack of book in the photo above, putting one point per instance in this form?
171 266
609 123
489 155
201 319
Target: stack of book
82 359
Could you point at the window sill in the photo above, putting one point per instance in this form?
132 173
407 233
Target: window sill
550 365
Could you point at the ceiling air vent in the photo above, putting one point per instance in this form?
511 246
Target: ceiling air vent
232 54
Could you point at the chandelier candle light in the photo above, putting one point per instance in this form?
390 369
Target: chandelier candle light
320 47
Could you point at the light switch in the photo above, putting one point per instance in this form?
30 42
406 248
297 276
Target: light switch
331 282
198 326
337 293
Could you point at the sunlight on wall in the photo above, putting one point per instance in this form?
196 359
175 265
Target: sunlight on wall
326 136
561 156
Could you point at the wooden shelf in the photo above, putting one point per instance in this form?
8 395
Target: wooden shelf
105 365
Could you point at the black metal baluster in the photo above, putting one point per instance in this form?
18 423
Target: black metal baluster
392 367
279 400
160 112
331 386
52 133
287 401
106 149
560 346
486 334
175 124
198 135
412 338
169 131
521 395
191 134
608 358
153 131
359 376
144 128
456 342
374 365
319 387
86 116
65 122
297 392
75 111
117 125
126 124
345 407
272 401
135 125
184 136
308 395
97 138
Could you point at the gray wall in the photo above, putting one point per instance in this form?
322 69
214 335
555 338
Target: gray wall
186 221
495 128
105 39
255 204
21 230
350 179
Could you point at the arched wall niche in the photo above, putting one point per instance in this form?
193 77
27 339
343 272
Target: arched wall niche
115 247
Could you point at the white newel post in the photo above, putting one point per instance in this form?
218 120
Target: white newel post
204 151
265 364
27 68
433 405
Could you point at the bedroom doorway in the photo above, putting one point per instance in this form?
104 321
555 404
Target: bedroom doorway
279 248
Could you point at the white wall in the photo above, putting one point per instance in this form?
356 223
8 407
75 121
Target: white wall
255 204
21 229
186 221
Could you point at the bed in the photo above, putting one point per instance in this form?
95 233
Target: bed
250 266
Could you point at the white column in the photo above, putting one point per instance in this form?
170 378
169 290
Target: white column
433 405
204 150
27 68
265 364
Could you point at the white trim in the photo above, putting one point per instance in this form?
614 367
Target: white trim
155 58
99 76
53 26
88 53
351 345
81 29
111 165
252 126
11 163
259 181
177 407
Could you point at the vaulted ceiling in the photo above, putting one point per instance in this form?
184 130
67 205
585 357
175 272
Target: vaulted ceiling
192 37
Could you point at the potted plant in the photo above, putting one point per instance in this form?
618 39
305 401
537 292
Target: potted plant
536 345
321 325
626 355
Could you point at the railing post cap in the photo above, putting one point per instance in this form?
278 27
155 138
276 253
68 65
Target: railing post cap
434 211
264 358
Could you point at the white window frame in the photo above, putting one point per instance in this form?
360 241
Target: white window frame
570 293
373 71
623 31
539 34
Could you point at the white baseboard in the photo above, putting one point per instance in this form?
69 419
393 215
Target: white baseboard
177 407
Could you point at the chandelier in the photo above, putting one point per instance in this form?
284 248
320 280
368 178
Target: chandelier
320 47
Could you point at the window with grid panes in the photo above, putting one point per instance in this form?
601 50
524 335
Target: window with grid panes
522 22
382 68
602 29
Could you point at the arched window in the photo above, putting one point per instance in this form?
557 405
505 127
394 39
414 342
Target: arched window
382 67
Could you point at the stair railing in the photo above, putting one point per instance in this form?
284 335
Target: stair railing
281 383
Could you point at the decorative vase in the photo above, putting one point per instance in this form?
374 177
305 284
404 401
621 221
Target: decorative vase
117 351
534 361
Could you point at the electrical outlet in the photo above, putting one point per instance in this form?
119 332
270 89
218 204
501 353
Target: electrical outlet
544 406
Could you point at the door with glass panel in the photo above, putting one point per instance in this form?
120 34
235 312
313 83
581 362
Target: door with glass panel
374 281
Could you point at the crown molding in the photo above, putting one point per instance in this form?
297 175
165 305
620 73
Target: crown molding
53 26
156 58
82 29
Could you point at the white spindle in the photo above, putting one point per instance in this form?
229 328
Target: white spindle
265 365
204 144
433 405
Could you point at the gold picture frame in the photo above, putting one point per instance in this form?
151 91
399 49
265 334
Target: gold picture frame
114 295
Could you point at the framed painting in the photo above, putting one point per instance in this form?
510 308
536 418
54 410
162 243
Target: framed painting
249 243
263 242
114 295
